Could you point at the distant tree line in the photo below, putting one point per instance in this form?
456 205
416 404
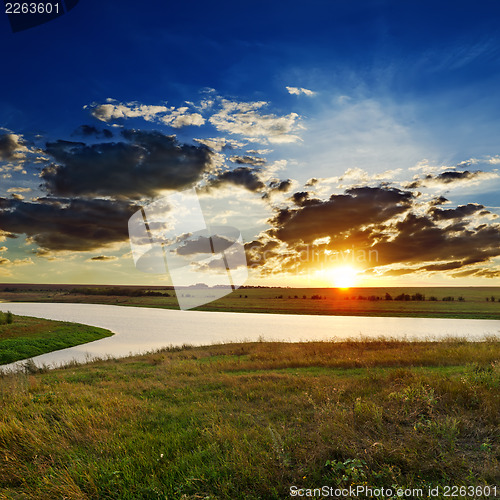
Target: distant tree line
403 297
123 292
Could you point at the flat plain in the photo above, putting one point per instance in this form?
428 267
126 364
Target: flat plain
468 302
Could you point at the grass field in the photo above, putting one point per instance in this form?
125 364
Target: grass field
26 337
291 300
248 421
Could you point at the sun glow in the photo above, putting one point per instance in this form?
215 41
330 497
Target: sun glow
343 276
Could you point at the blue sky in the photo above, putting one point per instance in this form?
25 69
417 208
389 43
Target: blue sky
364 93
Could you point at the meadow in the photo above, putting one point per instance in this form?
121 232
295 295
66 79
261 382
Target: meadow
25 337
249 421
468 302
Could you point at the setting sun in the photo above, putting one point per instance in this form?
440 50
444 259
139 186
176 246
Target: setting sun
343 277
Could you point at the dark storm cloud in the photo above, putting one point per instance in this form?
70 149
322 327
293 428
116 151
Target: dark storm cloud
67 224
301 199
248 160
91 131
460 212
453 176
450 177
140 166
447 266
9 143
280 186
103 258
246 177
311 182
440 200
341 213
418 239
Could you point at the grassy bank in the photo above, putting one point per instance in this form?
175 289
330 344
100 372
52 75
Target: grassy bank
26 337
468 302
248 421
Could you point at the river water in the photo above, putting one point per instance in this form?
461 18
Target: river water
140 329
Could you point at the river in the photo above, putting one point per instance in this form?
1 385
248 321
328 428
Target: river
140 329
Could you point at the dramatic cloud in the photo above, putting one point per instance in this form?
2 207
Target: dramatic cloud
11 147
90 130
418 239
141 166
248 160
92 186
460 212
281 186
67 224
340 214
452 177
394 231
242 176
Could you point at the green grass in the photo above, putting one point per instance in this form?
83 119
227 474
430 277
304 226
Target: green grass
26 337
248 421
283 301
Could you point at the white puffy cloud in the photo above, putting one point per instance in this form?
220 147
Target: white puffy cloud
244 118
181 118
174 117
357 175
240 118
110 112
300 90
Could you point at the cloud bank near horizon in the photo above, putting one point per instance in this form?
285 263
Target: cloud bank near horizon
83 192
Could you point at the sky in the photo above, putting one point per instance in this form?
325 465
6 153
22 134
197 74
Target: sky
346 141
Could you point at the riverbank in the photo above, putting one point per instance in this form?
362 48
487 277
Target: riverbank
249 421
24 337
